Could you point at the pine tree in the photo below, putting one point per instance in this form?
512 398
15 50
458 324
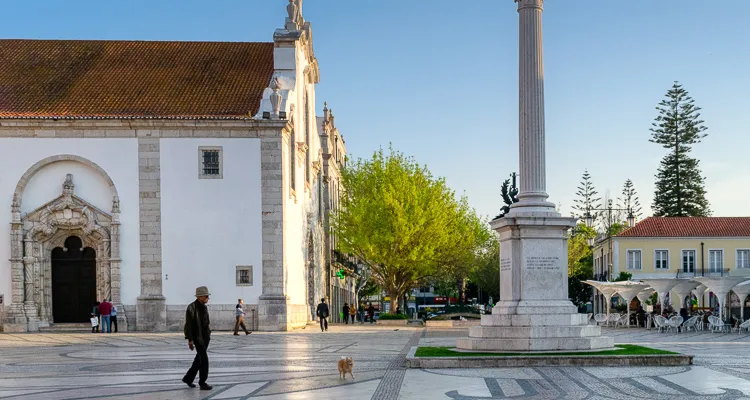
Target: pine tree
629 200
680 188
587 200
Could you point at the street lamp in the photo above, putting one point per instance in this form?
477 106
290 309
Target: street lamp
631 219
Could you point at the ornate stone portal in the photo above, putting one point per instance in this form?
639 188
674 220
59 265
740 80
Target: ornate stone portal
35 235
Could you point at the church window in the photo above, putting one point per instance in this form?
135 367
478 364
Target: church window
211 162
244 275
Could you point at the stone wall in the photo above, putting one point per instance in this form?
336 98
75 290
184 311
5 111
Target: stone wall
298 315
222 316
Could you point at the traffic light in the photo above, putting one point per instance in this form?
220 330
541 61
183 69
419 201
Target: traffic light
341 273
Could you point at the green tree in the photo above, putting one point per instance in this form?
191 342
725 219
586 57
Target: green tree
680 188
629 200
580 264
486 275
470 232
624 276
587 200
396 218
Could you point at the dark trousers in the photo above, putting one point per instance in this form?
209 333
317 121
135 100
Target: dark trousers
200 363
346 318
323 323
113 321
96 328
239 323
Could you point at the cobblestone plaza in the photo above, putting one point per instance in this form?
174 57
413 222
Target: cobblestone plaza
302 365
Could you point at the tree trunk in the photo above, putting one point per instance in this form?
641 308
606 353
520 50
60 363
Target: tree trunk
394 301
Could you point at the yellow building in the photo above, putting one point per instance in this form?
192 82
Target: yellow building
676 247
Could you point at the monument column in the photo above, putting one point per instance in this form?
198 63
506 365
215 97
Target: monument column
534 312
531 106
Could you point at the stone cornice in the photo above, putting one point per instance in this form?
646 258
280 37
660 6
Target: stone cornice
141 128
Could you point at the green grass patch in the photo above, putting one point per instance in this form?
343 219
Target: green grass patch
622 350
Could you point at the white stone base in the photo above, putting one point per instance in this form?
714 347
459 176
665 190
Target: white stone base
536 332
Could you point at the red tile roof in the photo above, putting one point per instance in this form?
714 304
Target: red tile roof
690 227
132 79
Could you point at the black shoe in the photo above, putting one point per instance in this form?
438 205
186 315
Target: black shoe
236 334
247 333
206 386
191 384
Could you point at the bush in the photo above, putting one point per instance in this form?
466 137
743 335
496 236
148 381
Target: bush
393 316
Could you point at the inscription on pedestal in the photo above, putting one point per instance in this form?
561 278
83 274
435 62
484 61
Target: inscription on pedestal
549 263
505 264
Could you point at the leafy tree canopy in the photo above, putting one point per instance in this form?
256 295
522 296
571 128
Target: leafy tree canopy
401 221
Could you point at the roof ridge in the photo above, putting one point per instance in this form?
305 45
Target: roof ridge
128 41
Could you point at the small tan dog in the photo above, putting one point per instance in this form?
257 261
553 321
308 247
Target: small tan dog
346 364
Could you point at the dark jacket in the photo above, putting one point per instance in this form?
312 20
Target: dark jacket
197 323
322 310
345 310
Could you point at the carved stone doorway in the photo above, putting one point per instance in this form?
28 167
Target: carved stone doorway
40 236
73 281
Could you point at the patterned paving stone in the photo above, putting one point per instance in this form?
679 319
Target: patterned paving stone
302 365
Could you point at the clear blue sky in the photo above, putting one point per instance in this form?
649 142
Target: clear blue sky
438 79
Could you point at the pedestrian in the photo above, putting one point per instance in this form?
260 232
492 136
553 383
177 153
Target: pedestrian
240 319
105 310
95 314
113 317
353 313
371 313
345 313
198 335
322 313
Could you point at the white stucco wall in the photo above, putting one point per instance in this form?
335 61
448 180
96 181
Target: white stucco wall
118 157
296 213
209 226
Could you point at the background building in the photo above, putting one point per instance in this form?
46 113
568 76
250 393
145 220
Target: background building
675 247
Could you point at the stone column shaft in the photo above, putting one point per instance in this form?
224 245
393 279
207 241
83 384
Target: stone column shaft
531 104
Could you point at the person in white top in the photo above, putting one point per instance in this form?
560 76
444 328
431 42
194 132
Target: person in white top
240 319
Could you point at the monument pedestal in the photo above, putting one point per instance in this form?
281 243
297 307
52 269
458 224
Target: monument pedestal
534 312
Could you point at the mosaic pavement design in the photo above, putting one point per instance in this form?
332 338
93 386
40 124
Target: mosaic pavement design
302 365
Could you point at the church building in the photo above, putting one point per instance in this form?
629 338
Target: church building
137 171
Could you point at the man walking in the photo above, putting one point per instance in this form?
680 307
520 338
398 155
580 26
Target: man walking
240 316
105 309
345 313
198 335
322 313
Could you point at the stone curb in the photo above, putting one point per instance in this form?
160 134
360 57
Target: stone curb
661 360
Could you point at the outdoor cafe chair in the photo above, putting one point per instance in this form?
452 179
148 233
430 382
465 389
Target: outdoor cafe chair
690 323
715 324
600 319
674 323
660 322
744 326
612 319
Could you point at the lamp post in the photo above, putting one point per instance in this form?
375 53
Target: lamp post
589 220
